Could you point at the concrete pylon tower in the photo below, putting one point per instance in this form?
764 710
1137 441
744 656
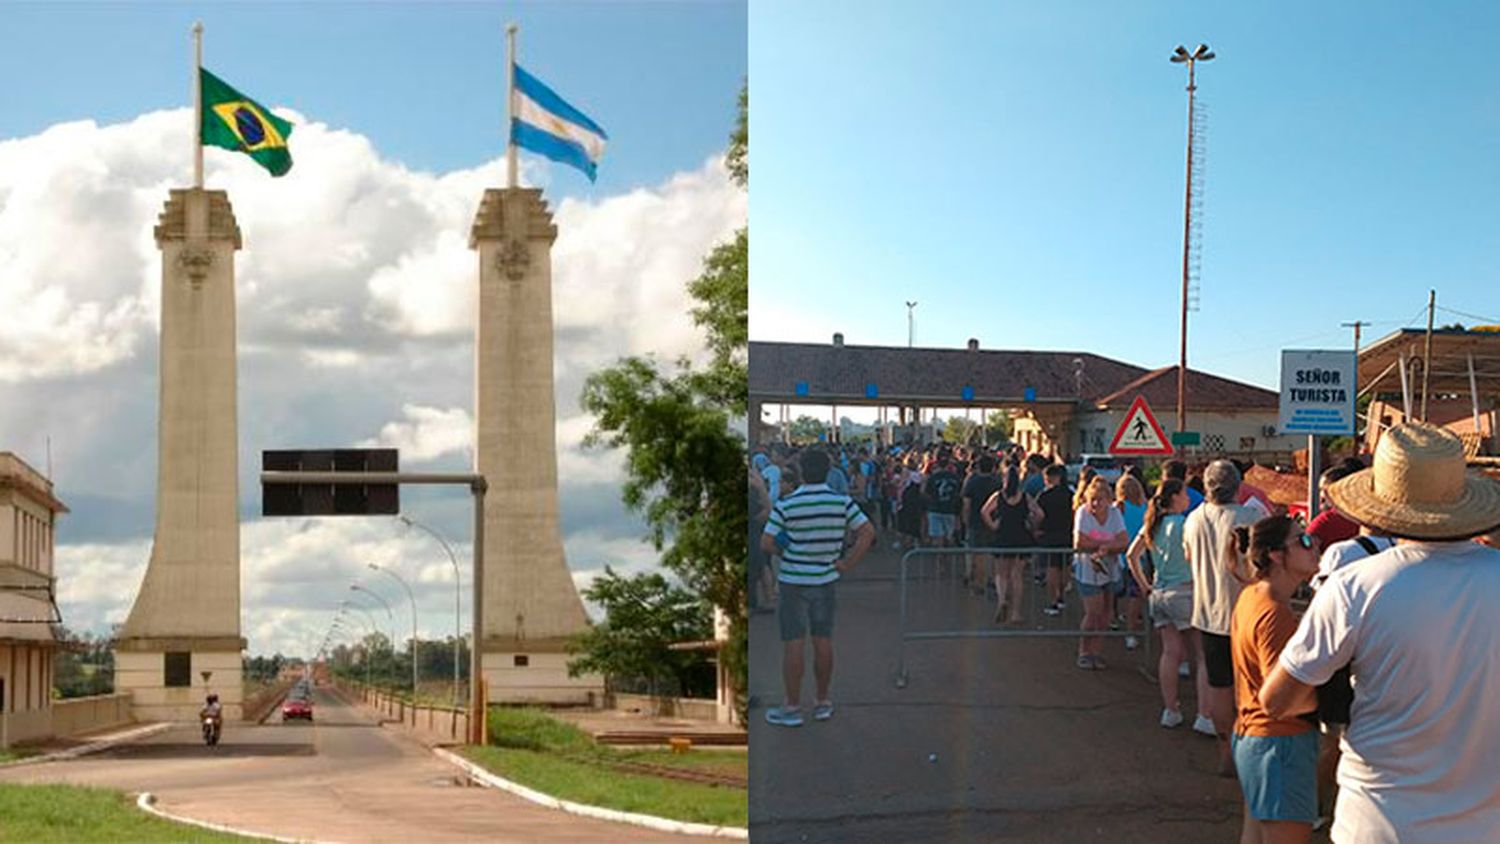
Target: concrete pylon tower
186 618
530 604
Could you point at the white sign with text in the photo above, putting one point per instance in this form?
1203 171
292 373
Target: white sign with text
1317 392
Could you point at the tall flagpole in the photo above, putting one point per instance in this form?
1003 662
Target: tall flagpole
198 104
510 104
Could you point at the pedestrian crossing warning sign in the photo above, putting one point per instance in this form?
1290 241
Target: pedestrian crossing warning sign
1140 434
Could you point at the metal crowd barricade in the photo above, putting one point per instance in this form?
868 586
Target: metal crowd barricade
1068 623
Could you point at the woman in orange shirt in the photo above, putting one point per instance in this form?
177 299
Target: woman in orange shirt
1276 759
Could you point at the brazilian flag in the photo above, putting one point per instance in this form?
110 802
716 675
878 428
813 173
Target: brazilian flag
233 121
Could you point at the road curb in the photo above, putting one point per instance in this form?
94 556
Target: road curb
147 802
92 747
598 812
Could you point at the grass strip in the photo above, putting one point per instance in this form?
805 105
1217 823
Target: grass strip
68 813
552 756
584 782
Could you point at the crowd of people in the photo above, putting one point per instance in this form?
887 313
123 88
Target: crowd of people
1390 678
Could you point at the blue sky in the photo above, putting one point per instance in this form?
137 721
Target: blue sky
1017 169
424 81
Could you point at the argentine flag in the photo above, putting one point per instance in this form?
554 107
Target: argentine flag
543 123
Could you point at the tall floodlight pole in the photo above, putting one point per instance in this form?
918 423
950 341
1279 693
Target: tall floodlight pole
1181 56
457 596
401 580
910 324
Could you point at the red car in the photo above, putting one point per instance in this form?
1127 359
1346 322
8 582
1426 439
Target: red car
296 708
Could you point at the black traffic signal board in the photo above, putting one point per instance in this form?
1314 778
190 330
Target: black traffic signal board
328 499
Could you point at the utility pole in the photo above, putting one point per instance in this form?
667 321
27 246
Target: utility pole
1427 353
1180 55
910 324
1356 325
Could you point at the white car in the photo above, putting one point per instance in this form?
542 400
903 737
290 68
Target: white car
1108 466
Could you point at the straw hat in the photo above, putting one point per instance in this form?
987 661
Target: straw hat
1419 488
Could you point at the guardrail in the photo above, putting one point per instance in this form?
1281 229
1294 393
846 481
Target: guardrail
442 724
958 557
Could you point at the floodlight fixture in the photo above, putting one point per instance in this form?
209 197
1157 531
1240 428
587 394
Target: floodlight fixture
1180 54
1203 54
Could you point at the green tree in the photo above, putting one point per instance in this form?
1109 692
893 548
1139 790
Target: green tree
685 464
806 429
959 429
644 615
998 427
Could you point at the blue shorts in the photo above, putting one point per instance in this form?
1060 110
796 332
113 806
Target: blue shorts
1278 775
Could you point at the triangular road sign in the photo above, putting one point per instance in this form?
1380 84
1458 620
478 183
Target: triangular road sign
1140 434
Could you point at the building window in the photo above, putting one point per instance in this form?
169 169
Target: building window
178 669
522 660
2 695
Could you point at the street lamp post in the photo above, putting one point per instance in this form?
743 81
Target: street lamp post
346 630
1180 55
458 635
390 617
401 580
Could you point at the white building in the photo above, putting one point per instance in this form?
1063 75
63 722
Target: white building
28 521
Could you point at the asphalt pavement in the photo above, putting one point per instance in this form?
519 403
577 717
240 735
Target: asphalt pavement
339 778
990 740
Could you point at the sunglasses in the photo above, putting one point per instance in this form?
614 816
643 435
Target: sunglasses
1305 540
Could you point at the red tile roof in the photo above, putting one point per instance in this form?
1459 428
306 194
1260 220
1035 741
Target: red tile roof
1204 392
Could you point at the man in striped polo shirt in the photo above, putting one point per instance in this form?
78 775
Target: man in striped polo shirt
808 527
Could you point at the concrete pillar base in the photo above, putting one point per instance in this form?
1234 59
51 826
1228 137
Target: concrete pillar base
542 680
142 673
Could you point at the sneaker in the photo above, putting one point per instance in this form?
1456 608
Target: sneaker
1131 643
1116 624
1053 610
1205 725
1086 662
823 711
784 716
1171 718
1184 670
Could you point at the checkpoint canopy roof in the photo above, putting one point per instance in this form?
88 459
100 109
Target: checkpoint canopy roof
1379 362
815 373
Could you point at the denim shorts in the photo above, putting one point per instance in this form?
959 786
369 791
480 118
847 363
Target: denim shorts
804 607
941 525
1093 590
1278 775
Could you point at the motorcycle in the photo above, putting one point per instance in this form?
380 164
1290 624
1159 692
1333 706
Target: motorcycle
212 724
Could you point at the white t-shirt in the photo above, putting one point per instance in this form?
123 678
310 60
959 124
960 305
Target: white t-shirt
1419 627
1084 524
1205 537
1341 554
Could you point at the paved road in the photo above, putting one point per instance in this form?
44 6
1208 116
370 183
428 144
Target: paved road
1028 747
342 778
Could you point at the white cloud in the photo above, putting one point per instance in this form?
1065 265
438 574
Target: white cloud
355 325
427 433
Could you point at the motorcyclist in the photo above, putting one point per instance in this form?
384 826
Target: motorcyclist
212 718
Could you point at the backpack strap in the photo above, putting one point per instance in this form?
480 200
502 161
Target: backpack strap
1368 544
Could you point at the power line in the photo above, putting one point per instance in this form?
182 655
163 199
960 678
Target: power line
1490 320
